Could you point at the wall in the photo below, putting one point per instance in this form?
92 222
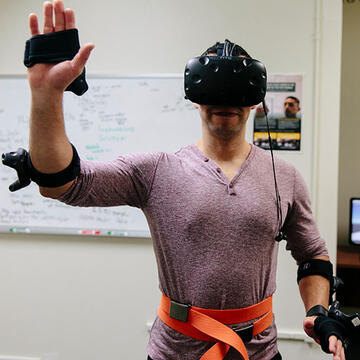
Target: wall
73 298
349 171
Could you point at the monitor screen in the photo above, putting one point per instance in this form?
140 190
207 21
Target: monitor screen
355 221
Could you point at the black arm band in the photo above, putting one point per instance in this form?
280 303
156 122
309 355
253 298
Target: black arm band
57 179
53 48
317 310
315 267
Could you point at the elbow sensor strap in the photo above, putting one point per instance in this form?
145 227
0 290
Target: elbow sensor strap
21 162
53 48
316 267
57 179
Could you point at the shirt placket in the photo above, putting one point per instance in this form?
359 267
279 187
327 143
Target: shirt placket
224 179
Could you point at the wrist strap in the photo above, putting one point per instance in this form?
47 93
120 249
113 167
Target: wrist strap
325 326
53 48
317 310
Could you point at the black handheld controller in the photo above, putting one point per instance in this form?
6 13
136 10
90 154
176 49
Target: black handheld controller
18 160
352 325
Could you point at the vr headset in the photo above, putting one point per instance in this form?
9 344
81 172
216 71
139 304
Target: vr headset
225 79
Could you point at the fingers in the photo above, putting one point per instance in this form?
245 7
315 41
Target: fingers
336 348
79 61
48 17
308 321
53 12
309 328
342 354
332 344
34 25
59 15
69 19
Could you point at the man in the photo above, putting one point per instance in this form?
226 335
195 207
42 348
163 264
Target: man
210 208
291 106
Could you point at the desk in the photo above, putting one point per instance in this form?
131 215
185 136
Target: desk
348 257
348 269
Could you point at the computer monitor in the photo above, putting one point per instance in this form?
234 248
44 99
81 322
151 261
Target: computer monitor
354 233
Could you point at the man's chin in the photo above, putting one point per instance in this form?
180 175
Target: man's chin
225 134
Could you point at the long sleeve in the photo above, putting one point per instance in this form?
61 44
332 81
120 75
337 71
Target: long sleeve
126 180
304 239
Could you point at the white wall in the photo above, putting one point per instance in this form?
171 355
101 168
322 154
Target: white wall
74 298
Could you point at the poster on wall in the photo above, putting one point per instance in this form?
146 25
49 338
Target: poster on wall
283 101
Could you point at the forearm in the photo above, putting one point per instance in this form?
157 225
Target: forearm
49 147
315 289
50 150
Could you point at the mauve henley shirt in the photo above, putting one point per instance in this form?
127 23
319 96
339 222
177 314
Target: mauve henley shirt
213 237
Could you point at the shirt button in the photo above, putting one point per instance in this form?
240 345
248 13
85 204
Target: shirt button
206 159
218 170
231 186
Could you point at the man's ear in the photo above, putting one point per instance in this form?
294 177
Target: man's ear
196 106
253 107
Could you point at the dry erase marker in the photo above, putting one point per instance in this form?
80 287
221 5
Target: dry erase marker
90 232
19 230
117 233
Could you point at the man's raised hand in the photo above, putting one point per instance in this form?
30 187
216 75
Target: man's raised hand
56 77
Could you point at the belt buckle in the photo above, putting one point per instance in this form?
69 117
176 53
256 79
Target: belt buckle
179 311
245 333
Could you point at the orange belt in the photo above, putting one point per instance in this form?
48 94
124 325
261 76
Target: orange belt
209 325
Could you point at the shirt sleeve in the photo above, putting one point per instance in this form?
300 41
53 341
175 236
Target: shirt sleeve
304 240
126 180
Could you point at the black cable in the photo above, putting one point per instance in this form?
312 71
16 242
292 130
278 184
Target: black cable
280 234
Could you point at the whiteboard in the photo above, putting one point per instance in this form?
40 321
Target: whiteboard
117 115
